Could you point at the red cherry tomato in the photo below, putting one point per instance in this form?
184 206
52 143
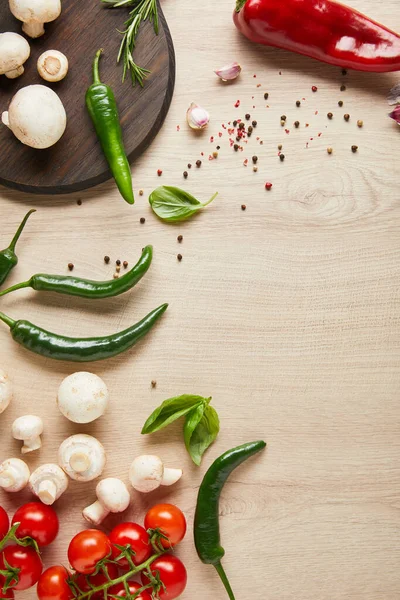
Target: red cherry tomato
170 520
38 521
86 549
138 539
9 593
52 584
4 523
96 580
25 559
172 573
120 591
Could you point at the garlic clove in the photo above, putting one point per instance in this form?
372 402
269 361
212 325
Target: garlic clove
394 95
395 114
229 72
197 117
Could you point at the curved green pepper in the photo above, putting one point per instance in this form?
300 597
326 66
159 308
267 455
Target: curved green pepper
88 288
206 520
102 107
8 258
59 347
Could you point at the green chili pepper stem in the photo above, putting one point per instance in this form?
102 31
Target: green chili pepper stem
224 579
96 74
7 320
19 230
17 286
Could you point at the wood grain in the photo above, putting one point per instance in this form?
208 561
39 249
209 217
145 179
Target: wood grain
286 313
77 161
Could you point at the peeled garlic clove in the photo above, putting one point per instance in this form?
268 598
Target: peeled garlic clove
197 117
395 114
229 72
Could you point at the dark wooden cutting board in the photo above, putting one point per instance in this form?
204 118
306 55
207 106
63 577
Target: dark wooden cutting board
76 162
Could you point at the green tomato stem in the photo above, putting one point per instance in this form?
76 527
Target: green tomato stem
224 579
122 578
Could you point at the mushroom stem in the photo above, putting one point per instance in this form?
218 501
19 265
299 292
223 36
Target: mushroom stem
79 462
95 513
34 30
15 72
4 118
47 491
171 476
7 479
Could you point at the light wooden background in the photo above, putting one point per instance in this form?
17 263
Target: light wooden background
287 314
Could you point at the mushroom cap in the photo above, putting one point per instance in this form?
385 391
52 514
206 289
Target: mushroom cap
14 51
39 11
50 472
26 427
52 65
37 116
82 397
113 494
14 474
6 391
146 473
83 451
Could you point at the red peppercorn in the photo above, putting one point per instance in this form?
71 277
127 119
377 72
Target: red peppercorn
159 172
314 88
268 185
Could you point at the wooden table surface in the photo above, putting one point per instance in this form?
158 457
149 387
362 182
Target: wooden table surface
286 313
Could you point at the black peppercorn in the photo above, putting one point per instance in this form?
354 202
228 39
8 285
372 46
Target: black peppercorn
354 149
235 147
185 174
298 103
179 257
142 220
266 96
297 124
189 166
340 103
330 115
282 157
70 266
346 117
106 259
234 123
241 125
118 263
254 159
198 163
180 238
243 207
283 118
254 123
343 88
247 116
249 129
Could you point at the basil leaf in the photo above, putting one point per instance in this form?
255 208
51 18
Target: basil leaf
200 431
173 204
171 410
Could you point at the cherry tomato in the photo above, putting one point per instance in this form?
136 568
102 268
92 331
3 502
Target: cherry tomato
170 520
120 591
138 539
9 593
38 521
86 549
4 523
25 559
97 580
172 573
52 584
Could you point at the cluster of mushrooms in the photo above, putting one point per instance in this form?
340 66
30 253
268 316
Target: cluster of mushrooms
82 398
36 115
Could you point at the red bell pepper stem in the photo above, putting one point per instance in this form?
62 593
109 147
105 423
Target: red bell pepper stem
323 29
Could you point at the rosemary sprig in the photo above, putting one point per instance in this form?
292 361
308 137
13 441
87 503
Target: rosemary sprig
141 11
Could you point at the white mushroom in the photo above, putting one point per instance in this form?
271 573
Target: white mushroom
113 496
82 397
14 475
14 51
6 391
147 473
36 116
52 65
34 13
82 457
28 429
48 482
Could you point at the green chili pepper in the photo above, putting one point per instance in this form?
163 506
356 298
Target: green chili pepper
206 523
102 107
8 258
55 346
86 288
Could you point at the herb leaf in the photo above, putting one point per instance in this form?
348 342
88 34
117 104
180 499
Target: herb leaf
173 204
171 410
200 431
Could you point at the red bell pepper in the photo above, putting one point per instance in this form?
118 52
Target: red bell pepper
322 29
